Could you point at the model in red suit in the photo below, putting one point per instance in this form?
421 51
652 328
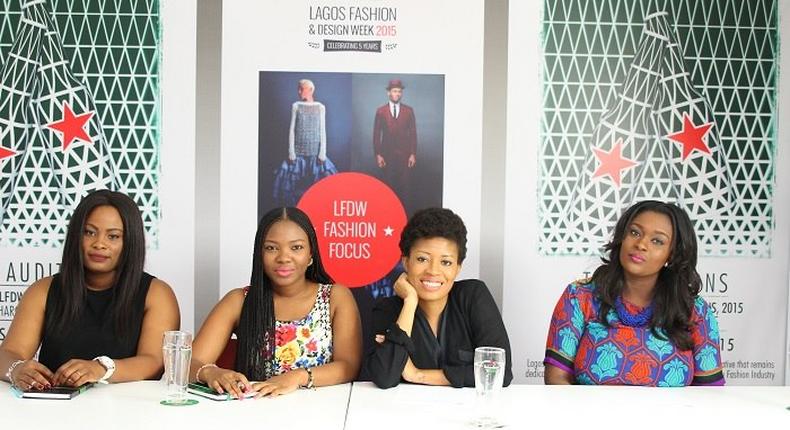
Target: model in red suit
395 142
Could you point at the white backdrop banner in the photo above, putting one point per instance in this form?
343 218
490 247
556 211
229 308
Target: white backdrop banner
618 101
353 53
330 154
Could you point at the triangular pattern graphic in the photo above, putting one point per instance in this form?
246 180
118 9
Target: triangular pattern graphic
79 108
656 99
641 100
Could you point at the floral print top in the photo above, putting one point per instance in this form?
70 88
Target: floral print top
306 342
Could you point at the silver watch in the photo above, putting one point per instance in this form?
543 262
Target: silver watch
108 364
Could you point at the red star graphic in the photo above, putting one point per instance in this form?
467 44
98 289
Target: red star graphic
612 163
6 153
72 127
691 136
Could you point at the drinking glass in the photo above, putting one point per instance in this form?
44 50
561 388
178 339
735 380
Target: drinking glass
177 354
489 368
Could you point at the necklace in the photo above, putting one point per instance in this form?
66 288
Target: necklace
640 319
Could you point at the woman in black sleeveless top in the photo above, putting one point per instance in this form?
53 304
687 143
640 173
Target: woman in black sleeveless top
100 319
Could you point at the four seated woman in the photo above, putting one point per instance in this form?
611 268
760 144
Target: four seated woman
639 320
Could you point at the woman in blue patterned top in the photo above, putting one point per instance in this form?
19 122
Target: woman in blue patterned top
639 320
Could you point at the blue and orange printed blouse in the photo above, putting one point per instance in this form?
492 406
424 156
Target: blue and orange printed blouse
622 355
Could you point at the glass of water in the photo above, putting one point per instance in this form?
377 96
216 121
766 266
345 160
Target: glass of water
489 367
177 354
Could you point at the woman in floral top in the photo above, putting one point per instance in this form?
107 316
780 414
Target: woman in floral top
294 328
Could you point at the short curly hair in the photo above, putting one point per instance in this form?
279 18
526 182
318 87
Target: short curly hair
434 222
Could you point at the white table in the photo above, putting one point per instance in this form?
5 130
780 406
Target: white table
135 405
406 407
537 406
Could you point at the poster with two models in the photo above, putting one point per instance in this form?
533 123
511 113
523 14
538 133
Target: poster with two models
331 107
387 128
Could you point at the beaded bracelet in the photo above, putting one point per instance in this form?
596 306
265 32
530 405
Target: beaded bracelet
197 374
8 374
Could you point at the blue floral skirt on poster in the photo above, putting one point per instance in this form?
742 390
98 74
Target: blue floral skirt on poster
291 180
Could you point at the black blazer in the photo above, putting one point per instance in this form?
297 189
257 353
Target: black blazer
470 319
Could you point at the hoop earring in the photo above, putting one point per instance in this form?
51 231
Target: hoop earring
311 262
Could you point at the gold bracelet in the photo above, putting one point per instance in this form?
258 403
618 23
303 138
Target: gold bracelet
197 374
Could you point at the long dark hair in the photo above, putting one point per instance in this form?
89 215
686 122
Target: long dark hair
255 332
72 293
678 284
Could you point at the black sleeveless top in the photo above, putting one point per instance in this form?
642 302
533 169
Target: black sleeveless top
93 333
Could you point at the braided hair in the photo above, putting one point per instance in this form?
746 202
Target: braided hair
255 332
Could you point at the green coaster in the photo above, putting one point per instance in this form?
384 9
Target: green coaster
185 402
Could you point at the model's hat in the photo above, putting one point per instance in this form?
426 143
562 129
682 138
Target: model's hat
395 83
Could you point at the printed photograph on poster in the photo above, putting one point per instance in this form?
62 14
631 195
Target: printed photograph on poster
316 124
350 124
359 152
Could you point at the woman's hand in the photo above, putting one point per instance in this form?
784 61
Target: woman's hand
76 372
555 376
226 381
411 373
404 289
281 384
423 376
31 374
